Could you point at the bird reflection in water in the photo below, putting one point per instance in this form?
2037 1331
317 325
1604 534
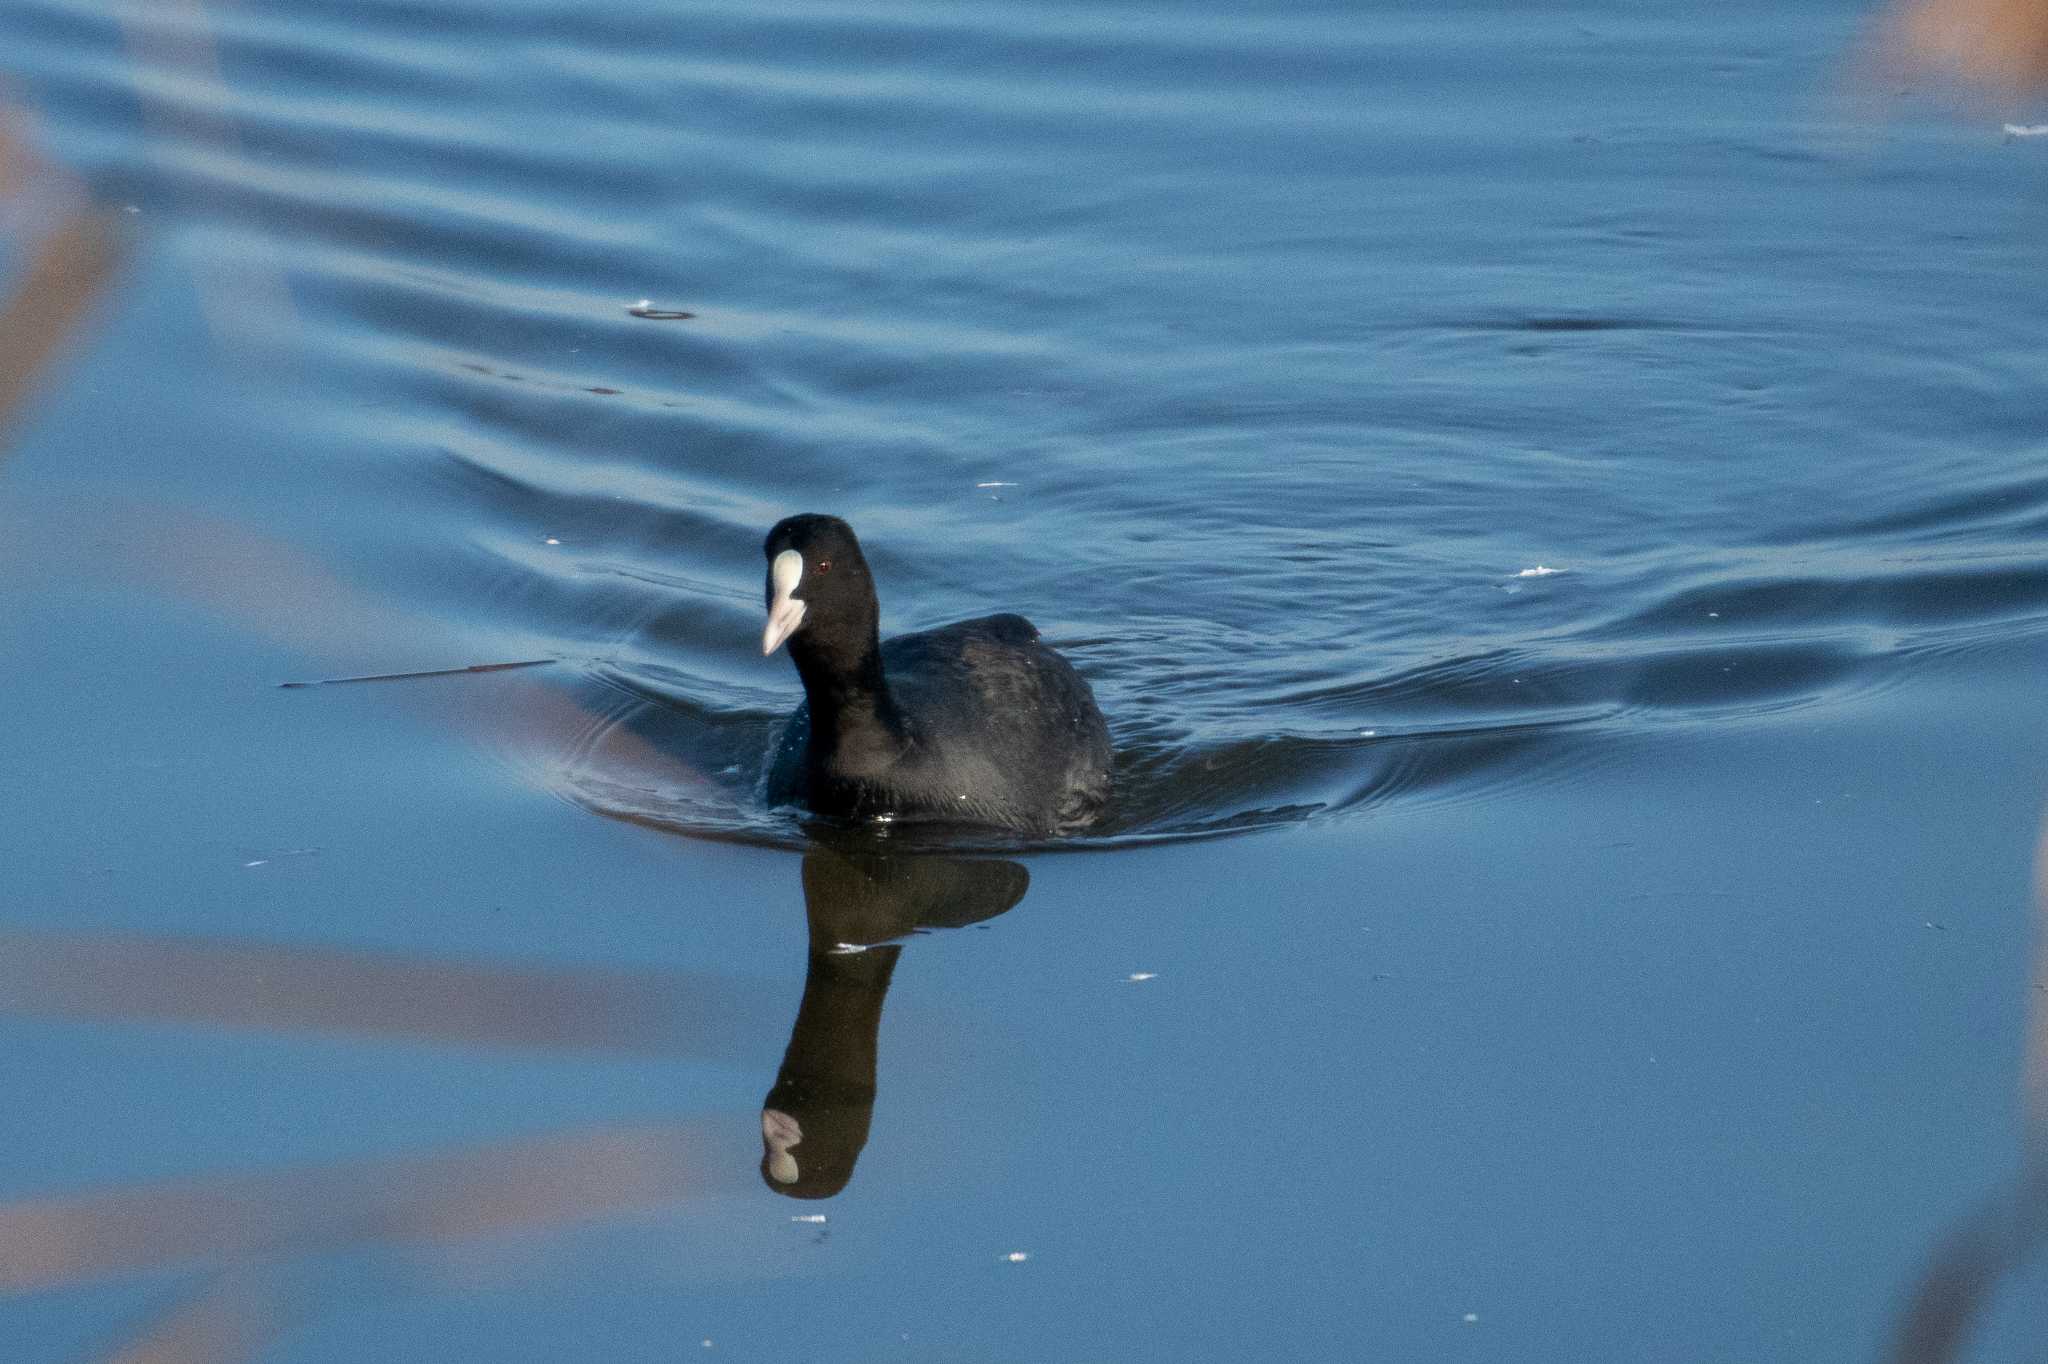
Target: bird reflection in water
814 1122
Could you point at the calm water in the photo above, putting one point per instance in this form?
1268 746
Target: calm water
1564 486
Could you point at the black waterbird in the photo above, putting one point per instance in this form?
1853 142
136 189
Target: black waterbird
976 723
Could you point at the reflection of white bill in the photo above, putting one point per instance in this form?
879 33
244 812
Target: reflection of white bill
780 1133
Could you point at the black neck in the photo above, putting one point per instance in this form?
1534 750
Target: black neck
842 677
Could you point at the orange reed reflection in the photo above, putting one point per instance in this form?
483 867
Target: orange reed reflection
327 989
244 1230
69 265
2012 1225
275 1214
230 1320
2000 45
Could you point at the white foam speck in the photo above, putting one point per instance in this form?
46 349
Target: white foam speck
2026 130
1017 1257
1142 975
1540 571
812 1217
998 485
1471 1318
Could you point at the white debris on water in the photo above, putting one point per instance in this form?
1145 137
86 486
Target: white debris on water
1471 1318
288 852
817 1218
1017 1257
998 485
553 541
1142 975
1540 571
2026 130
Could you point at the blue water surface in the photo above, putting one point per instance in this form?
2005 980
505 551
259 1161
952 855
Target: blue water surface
1552 498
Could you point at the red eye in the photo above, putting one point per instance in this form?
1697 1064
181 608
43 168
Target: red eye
824 565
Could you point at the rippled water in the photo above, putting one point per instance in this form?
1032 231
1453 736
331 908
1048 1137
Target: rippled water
1261 361
1392 411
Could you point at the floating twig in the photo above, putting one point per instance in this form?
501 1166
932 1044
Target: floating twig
429 672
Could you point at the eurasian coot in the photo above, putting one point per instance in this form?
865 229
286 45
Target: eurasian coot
974 723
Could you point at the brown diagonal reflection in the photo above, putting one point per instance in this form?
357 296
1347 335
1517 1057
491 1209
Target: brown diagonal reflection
2011 1226
242 293
2034 1076
2000 45
231 1319
275 1214
67 270
327 989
